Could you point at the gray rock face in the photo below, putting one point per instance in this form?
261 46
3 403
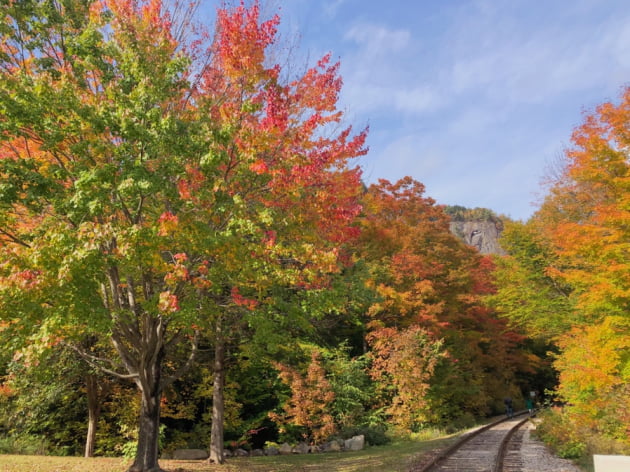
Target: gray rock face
483 235
190 454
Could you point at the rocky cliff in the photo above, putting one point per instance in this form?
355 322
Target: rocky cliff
478 227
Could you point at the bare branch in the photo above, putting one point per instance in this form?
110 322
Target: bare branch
96 362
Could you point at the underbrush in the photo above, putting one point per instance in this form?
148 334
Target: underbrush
573 441
25 445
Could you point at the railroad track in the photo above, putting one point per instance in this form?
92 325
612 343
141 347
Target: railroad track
492 448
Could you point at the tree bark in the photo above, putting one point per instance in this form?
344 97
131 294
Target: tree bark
147 453
218 406
146 364
94 410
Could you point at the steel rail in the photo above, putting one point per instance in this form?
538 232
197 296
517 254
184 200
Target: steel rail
451 450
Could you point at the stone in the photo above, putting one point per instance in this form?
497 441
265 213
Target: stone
301 448
285 449
355 443
227 453
257 453
332 446
240 453
190 454
482 234
271 451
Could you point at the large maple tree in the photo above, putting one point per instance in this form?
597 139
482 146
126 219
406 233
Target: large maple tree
155 186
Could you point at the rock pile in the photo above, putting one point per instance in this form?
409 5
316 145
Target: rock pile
355 443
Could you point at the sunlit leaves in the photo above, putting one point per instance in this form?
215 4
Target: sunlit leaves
587 211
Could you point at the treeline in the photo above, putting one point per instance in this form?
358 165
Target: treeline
567 279
460 213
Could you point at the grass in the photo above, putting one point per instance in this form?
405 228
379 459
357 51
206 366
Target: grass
395 457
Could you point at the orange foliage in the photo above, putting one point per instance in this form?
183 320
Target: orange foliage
311 397
404 360
587 211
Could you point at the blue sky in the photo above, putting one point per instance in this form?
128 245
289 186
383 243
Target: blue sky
473 98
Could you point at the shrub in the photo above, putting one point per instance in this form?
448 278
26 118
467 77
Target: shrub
557 431
26 444
374 435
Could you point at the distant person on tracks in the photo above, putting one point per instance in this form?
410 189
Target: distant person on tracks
509 410
529 404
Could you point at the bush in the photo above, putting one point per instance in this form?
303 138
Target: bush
374 435
26 445
557 431
465 421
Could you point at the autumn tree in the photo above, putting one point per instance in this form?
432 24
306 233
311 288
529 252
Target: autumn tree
585 217
155 187
309 404
404 361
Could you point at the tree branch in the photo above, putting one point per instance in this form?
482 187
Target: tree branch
187 365
96 361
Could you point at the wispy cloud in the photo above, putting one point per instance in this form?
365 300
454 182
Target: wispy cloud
472 97
377 39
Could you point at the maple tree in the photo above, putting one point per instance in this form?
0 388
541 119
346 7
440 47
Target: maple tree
310 401
405 361
566 280
155 188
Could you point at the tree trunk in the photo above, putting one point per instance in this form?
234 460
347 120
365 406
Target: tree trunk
94 410
218 407
147 453
150 356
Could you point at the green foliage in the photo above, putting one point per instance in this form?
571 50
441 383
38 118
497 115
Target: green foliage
374 435
353 388
558 431
46 402
26 445
527 295
460 213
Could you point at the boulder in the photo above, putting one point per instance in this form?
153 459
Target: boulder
190 454
301 448
355 443
256 452
271 451
240 453
332 446
285 449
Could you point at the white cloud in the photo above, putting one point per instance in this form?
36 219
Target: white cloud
368 98
376 39
532 63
